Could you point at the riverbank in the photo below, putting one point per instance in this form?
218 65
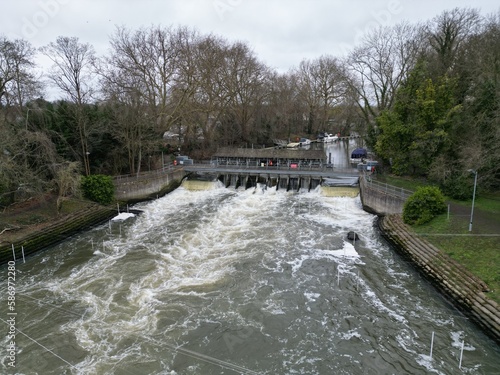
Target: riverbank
32 225
35 224
467 291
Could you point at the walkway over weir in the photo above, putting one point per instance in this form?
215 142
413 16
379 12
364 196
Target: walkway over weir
284 168
315 175
324 172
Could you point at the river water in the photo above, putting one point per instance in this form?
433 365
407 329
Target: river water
225 281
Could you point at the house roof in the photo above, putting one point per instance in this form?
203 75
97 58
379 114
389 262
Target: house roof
270 153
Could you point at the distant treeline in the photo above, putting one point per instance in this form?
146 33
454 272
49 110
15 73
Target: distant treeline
425 97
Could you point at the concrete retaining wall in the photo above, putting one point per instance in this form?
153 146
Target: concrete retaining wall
381 200
146 186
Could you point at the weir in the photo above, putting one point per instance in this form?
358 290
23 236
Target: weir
280 182
223 261
283 183
284 168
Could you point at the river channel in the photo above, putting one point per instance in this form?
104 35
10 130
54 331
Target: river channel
225 281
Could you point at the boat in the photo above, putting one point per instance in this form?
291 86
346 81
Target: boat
304 142
279 143
329 138
301 142
358 155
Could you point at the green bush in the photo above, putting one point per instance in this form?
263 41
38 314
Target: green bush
98 188
423 205
458 187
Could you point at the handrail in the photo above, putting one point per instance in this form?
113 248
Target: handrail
244 166
389 189
166 169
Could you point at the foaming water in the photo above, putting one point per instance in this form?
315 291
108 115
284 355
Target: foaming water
237 281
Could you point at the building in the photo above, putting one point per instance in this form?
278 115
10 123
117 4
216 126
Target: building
269 157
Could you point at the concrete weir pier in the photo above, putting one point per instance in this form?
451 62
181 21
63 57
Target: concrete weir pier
279 182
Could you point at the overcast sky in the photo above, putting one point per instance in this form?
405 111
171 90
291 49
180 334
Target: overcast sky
281 32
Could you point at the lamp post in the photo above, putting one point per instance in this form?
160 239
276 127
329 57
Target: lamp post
473 198
27 115
87 163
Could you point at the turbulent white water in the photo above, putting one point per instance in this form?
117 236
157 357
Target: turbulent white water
224 282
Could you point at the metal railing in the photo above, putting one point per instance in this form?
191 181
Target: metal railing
167 168
388 189
207 164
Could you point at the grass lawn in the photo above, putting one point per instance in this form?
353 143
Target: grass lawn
402 182
479 250
33 215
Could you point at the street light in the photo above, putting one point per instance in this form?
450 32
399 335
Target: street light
473 197
27 115
87 163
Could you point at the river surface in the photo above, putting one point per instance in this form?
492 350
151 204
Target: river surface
226 281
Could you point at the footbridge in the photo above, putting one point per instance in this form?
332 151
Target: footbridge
289 177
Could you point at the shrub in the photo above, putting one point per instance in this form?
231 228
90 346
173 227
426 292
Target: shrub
458 187
98 188
423 205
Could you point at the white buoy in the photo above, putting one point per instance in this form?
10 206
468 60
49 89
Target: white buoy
13 252
22 251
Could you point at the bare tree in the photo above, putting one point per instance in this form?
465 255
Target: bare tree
378 67
449 31
323 86
148 78
245 78
155 58
18 80
212 96
72 74
286 107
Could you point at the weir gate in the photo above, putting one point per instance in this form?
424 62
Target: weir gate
283 169
287 179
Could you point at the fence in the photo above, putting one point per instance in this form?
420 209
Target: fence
146 184
387 189
243 166
147 175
